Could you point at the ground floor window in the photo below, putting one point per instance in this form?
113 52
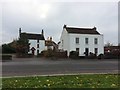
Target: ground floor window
96 51
77 50
86 51
37 52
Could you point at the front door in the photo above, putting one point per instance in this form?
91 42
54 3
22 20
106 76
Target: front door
86 51
33 50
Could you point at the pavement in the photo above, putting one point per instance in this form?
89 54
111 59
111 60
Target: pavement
42 66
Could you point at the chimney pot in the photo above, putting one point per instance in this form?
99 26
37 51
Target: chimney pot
64 26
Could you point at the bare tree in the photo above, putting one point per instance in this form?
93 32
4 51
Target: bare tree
108 44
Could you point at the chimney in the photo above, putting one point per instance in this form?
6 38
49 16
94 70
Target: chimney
19 32
42 32
50 38
64 26
94 28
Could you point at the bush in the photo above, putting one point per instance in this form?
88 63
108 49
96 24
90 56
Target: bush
111 56
6 48
48 53
91 56
6 57
74 55
101 56
19 55
61 54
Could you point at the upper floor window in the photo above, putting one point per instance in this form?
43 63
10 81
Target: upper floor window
37 41
37 45
77 40
95 41
86 40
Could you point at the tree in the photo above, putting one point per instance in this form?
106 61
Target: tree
108 44
22 45
8 48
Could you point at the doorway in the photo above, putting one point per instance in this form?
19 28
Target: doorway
86 51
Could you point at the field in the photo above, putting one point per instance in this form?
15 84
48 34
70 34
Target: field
65 81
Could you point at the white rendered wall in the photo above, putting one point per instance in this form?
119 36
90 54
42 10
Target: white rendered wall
33 43
69 43
42 45
64 41
90 44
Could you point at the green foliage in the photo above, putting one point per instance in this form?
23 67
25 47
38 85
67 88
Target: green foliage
74 54
49 53
6 57
66 81
22 45
7 48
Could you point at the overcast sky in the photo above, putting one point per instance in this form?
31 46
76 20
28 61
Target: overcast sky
34 15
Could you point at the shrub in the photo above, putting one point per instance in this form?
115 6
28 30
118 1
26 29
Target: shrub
20 55
91 56
6 57
101 56
48 53
61 54
74 55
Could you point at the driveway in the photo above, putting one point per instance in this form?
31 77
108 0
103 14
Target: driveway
42 66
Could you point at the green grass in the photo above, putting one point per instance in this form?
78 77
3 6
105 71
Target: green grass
66 81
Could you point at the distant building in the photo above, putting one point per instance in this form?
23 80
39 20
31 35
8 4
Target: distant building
36 41
111 49
50 44
82 40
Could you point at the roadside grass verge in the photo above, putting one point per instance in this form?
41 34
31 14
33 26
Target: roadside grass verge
65 81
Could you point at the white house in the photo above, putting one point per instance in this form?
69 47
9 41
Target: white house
36 41
82 40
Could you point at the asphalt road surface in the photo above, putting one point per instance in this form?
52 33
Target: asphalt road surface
41 66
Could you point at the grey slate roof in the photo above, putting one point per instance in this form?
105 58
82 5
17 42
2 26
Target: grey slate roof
82 30
32 36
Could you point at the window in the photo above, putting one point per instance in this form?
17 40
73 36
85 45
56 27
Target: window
86 40
37 52
96 51
37 45
95 41
77 50
77 40
37 41
86 51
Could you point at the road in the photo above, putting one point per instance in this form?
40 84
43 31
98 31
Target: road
37 66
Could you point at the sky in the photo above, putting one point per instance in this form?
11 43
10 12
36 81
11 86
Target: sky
34 15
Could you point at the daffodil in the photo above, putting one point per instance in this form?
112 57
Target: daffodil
47 80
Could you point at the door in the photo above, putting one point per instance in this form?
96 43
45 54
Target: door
86 51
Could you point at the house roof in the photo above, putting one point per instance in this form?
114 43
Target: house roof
49 43
82 30
32 36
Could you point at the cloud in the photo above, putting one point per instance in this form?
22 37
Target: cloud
103 15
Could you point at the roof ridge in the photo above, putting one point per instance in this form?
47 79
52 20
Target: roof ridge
82 30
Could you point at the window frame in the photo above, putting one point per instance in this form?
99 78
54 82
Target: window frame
95 40
96 51
86 40
77 40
